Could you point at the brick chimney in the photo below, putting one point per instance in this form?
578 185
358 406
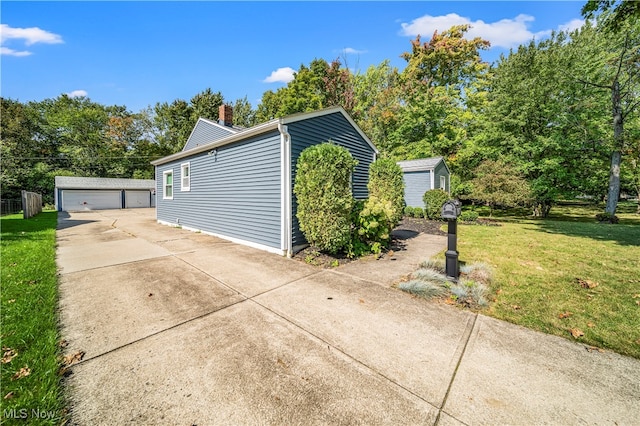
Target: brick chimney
225 115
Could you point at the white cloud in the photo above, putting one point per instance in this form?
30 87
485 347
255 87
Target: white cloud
282 75
77 93
572 25
11 52
28 35
505 33
352 51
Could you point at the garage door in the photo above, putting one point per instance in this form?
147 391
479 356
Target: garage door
137 199
75 200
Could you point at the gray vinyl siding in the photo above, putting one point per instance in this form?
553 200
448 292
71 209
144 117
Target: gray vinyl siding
235 191
338 129
441 170
204 133
415 185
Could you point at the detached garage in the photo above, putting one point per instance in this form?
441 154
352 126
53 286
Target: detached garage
422 175
88 193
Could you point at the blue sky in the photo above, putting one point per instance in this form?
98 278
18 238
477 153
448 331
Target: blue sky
139 53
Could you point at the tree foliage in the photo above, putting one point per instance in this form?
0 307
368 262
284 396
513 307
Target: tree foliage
498 184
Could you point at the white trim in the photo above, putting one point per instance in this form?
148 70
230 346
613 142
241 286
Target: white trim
226 237
443 179
164 184
182 167
449 178
432 176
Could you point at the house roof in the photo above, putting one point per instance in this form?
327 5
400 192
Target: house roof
74 182
421 164
271 125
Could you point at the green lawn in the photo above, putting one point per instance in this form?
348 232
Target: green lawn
542 266
29 332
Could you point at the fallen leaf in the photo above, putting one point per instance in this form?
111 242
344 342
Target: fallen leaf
590 324
587 283
8 355
636 296
499 291
70 359
594 349
449 301
638 302
11 301
516 307
564 315
361 300
63 344
23 372
576 332
9 395
390 253
150 294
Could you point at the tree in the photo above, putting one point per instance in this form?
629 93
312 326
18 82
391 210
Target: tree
243 113
617 12
611 63
377 104
205 104
438 86
499 184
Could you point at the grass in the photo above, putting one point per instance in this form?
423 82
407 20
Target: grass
29 328
543 268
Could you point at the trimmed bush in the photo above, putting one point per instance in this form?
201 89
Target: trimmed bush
418 212
372 228
323 193
386 184
408 211
434 199
469 216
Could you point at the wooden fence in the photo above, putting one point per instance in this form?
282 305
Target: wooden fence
31 204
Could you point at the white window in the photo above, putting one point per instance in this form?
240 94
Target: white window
443 183
185 173
167 185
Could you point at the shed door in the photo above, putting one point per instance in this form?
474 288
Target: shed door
137 199
415 185
75 200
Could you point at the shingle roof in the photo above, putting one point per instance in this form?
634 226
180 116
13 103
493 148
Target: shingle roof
420 164
73 182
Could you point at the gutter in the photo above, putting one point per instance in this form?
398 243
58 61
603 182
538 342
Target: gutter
285 183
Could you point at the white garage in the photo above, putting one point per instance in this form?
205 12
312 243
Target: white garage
85 193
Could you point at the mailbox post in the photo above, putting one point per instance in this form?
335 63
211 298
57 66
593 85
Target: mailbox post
450 212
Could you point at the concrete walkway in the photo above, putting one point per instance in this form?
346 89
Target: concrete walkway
181 328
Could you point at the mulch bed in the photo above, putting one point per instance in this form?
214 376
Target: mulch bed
409 227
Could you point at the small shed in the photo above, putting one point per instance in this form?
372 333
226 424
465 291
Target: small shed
423 175
238 184
90 193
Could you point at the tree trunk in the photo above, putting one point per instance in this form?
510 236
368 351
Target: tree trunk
616 155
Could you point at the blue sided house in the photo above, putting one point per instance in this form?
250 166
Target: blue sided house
422 175
237 183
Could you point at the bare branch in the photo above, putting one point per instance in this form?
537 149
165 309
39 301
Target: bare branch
630 109
601 86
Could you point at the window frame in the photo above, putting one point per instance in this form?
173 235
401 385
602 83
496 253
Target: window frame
186 166
165 185
443 182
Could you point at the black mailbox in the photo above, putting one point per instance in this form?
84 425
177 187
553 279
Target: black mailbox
451 210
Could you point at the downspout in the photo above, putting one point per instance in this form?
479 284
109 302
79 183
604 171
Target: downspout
285 181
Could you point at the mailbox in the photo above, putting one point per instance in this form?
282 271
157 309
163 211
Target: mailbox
451 210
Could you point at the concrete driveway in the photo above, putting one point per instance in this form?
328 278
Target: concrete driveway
181 328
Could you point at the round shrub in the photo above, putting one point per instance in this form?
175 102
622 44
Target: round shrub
408 211
469 216
434 199
418 212
323 193
386 184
